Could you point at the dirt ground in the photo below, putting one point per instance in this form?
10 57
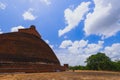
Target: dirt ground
77 75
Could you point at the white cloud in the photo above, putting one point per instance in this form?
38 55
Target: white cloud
104 19
28 15
75 53
72 59
113 51
15 29
77 47
94 48
38 2
73 17
2 5
47 2
1 31
48 42
66 43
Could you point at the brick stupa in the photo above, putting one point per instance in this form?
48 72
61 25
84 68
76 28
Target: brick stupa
26 51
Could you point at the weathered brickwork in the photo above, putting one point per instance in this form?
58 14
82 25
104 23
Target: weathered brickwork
25 51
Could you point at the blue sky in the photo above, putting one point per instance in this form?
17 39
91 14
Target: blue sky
75 29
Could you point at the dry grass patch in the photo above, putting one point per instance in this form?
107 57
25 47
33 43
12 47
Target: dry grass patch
77 75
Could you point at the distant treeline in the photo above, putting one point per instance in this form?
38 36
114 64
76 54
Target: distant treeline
99 61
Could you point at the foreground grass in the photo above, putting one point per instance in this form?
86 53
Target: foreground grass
77 75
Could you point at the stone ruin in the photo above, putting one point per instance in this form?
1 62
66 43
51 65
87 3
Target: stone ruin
26 51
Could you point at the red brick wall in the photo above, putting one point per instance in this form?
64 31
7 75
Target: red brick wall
24 45
30 30
27 67
22 51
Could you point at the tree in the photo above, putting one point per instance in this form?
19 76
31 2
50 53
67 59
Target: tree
99 61
77 67
116 66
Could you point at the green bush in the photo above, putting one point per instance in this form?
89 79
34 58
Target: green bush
98 61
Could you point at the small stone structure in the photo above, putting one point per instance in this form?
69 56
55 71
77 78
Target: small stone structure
26 51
